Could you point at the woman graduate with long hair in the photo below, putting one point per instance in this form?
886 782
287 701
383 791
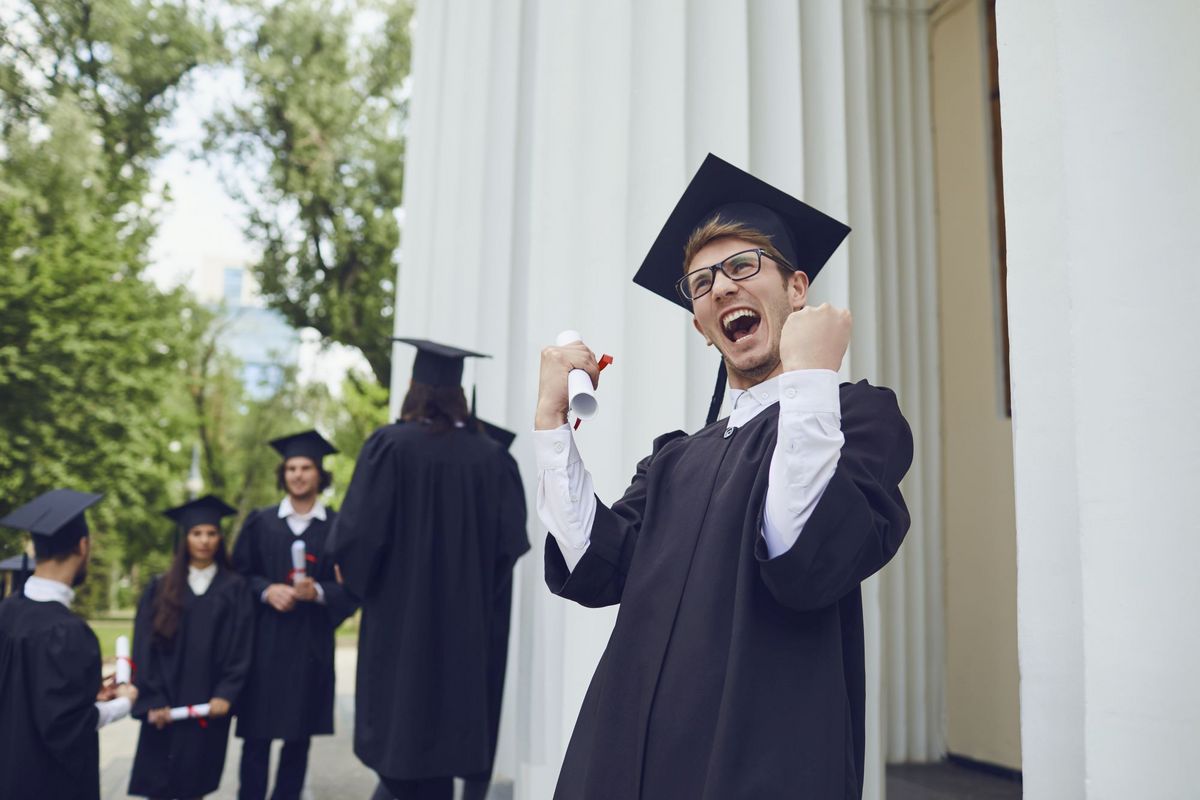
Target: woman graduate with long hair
192 644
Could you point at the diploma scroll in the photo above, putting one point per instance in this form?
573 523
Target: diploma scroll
124 665
579 383
298 558
189 712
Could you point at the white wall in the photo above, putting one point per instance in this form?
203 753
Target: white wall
549 139
1102 182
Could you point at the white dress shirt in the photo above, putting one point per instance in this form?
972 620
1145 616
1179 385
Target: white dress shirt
807 448
44 590
200 579
298 523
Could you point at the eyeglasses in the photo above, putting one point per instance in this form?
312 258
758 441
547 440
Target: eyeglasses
737 267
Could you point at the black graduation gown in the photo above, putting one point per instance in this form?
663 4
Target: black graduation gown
431 527
729 675
289 694
49 678
209 657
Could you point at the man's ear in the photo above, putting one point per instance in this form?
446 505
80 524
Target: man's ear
83 547
696 325
797 284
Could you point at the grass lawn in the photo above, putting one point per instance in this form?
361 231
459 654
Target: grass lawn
107 631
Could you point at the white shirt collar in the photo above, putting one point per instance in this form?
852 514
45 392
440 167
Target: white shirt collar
203 572
316 512
748 403
44 590
200 578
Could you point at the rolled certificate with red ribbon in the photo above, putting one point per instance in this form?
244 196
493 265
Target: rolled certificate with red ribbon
298 559
579 383
124 664
199 711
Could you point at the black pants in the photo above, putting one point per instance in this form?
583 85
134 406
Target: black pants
256 761
428 789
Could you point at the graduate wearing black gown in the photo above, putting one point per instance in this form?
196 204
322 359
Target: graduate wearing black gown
289 694
736 667
51 699
432 525
192 641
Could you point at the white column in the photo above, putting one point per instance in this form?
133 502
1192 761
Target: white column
1101 165
548 142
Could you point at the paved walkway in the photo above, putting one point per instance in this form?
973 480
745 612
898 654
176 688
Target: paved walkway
333 771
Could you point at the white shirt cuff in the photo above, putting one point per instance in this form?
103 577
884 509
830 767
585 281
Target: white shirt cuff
112 710
810 391
555 449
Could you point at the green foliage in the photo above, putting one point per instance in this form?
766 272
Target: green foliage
363 408
324 112
88 350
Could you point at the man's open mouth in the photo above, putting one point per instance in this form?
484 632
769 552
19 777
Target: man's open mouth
739 323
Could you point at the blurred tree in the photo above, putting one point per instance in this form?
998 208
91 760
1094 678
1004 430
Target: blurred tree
88 349
324 112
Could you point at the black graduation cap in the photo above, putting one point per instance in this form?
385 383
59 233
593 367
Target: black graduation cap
438 364
504 437
208 510
57 513
308 444
805 237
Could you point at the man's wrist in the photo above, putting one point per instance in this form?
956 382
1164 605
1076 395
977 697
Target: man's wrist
549 419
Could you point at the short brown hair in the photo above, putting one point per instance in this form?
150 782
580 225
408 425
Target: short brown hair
716 228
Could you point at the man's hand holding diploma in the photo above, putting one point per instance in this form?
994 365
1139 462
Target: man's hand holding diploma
281 597
553 398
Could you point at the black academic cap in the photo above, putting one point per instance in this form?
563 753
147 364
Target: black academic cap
504 437
805 237
57 513
438 364
308 444
208 510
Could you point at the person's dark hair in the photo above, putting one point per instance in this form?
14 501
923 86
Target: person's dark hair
63 543
324 479
55 548
168 597
443 407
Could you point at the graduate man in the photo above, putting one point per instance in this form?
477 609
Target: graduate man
289 693
735 669
433 522
51 698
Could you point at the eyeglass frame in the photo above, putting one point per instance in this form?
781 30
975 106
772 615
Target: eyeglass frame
720 265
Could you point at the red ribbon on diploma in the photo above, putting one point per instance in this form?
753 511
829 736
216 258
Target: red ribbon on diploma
292 573
201 720
604 361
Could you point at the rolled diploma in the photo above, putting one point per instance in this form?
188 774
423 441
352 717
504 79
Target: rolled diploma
297 561
185 712
579 383
123 670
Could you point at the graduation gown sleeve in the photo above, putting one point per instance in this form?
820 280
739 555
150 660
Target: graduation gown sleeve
66 678
152 693
363 528
514 542
599 577
861 518
236 648
246 560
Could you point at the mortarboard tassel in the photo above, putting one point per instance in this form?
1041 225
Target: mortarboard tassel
718 397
